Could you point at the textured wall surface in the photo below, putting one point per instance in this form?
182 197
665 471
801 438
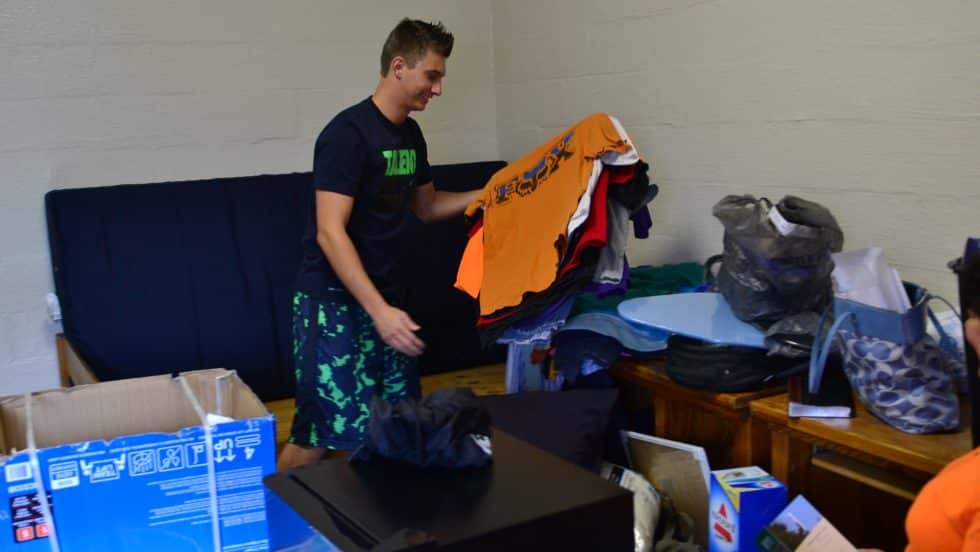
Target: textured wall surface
871 108
112 92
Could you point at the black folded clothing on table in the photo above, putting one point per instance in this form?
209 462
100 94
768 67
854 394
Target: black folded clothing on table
447 429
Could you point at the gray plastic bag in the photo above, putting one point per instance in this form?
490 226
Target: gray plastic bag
776 265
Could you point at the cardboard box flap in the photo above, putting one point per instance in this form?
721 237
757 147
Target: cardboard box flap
676 469
222 392
107 410
101 411
13 422
3 439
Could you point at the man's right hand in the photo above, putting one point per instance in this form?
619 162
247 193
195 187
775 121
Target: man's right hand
394 326
397 329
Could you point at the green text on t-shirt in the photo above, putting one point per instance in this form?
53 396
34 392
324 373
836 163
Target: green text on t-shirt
401 162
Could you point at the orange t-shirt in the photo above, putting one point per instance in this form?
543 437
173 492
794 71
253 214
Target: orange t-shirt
946 513
469 278
527 206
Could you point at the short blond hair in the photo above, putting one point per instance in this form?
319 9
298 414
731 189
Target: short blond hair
411 39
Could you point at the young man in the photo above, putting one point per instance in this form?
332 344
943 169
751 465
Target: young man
370 167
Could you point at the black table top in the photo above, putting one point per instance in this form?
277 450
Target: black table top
377 499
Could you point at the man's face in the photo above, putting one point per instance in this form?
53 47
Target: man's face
422 81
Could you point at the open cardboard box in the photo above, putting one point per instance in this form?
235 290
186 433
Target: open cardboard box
132 464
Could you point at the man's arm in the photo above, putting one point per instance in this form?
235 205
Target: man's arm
430 205
395 327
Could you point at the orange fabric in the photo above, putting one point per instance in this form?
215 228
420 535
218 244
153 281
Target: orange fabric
528 205
946 513
469 277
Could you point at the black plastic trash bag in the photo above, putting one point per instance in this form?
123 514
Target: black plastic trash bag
447 429
769 273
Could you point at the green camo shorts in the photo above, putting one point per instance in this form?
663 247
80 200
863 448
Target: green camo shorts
341 363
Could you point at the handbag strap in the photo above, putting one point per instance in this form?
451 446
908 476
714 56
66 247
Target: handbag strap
819 352
947 344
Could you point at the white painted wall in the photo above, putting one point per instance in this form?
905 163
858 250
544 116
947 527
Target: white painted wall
114 91
871 108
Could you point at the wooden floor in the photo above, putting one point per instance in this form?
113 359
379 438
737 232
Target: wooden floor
483 380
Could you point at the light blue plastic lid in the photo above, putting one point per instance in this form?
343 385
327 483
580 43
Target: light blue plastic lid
704 316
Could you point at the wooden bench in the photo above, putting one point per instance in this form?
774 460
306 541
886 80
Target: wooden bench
861 473
862 448
719 422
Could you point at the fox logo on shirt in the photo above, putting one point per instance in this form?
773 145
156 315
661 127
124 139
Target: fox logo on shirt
529 181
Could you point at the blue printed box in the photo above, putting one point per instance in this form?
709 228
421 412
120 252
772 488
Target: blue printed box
742 502
129 465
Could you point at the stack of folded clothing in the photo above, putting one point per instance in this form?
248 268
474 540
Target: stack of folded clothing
552 225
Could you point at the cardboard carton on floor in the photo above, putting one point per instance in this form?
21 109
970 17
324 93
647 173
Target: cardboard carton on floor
743 501
131 465
675 469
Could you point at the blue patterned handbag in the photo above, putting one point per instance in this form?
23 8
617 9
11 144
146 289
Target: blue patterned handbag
900 373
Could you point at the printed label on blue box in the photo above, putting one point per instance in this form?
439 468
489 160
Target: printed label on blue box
144 492
741 503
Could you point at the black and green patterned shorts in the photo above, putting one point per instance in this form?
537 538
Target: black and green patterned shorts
341 363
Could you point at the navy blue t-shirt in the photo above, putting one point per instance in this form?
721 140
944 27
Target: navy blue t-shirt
360 153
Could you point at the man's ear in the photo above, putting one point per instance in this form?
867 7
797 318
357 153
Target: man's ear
398 64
